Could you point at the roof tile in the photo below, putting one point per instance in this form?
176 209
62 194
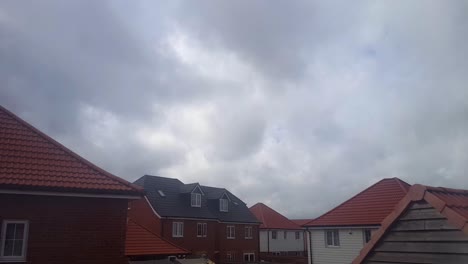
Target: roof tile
368 207
29 159
142 242
271 219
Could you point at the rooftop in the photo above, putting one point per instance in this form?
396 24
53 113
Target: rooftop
31 160
368 207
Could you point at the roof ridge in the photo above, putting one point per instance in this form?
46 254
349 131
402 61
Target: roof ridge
400 182
349 200
70 152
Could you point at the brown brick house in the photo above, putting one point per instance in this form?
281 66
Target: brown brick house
55 206
207 221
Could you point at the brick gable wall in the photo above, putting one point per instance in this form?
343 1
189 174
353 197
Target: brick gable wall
70 230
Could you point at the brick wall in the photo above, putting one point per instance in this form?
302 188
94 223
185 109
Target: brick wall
70 230
142 213
216 245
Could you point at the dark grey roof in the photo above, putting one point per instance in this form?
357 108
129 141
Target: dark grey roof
176 202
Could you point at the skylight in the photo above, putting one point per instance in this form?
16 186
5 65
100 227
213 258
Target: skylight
161 193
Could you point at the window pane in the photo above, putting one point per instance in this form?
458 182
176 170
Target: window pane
329 238
18 248
19 231
10 231
8 249
336 238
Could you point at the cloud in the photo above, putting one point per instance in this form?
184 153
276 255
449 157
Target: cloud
298 105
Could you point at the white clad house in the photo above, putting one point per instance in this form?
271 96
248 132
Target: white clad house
338 236
281 240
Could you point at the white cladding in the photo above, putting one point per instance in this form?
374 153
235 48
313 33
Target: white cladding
351 243
280 244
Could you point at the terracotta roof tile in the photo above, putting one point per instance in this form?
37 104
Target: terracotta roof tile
271 219
368 207
142 242
301 222
29 159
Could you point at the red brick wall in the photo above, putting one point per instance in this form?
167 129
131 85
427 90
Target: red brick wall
70 230
240 244
190 241
142 213
215 245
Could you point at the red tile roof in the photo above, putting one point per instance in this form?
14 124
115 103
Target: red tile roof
142 242
271 219
301 222
368 207
451 203
31 160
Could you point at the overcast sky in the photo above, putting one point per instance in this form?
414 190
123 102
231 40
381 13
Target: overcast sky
296 104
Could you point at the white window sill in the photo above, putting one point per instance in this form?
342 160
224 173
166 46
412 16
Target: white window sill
177 236
231 238
249 238
12 260
329 246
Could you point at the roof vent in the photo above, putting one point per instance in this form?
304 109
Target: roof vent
161 193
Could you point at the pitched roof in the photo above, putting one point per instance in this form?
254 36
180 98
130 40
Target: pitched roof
31 160
301 222
142 242
271 219
368 207
176 202
451 203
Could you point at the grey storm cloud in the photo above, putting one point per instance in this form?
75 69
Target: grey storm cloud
296 104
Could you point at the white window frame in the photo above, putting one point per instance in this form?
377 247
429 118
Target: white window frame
230 256
274 234
195 199
298 235
177 229
203 227
248 232
285 235
364 235
223 205
231 232
21 258
335 240
251 257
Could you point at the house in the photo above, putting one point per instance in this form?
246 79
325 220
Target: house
281 240
337 236
430 225
55 206
207 221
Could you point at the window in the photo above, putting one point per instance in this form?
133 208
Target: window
223 205
161 193
202 229
273 234
14 240
298 235
367 235
248 232
231 232
230 256
249 257
195 200
285 235
177 229
332 238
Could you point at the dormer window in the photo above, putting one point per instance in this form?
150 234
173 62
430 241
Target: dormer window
223 205
195 200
